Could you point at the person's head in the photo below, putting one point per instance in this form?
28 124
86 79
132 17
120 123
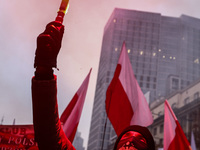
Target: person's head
135 138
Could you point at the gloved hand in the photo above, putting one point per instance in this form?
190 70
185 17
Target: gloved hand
48 45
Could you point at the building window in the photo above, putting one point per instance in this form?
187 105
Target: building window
155 131
108 73
147 85
196 95
141 78
160 113
107 80
141 84
136 76
175 84
186 101
161 141
196 61
148 79
173 105
161 128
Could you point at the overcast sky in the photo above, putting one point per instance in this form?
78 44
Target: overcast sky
21 21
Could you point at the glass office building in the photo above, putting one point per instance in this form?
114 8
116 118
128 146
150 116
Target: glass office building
164 53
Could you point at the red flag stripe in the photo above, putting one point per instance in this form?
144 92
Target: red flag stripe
71 115
120 113
69 109
174 137
180 141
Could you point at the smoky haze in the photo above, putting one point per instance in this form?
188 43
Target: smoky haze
21 21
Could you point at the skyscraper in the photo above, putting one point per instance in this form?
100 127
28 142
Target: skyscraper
164 53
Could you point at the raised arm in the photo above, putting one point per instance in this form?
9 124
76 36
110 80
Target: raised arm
48 131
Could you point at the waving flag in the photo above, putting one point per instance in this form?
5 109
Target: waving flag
125 102
71 115
174 137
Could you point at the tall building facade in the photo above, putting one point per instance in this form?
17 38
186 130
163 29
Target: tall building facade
164 53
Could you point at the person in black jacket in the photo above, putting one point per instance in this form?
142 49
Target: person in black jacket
47 126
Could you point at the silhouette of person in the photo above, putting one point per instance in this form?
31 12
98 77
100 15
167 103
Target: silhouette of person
47 126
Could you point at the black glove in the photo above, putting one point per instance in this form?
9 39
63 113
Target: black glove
48 45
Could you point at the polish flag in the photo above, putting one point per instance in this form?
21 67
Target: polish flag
174 137
71 115
125 102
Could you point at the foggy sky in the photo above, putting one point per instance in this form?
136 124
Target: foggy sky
21 21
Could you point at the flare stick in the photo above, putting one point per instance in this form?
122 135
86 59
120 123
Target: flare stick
62 10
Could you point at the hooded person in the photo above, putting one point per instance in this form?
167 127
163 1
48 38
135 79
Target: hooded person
135 137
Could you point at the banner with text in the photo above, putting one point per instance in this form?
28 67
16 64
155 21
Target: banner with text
17 137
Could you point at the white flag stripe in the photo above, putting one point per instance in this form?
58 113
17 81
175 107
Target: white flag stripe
133 91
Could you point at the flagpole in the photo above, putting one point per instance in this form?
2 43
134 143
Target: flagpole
14 121
2 119
105 125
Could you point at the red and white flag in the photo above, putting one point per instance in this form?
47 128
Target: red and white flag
125 102
174 137
71 115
